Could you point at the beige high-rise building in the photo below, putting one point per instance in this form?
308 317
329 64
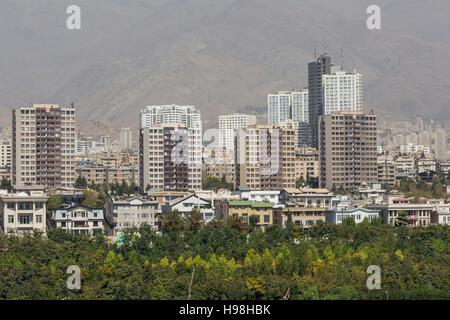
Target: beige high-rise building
170 157
43 146
5 154
348 149
125 139
441 144
306 163
265 157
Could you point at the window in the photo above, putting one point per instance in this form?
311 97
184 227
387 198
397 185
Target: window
26 206
24 219
39 205
266 218
95 223
11 206
11 219
63 224
38 218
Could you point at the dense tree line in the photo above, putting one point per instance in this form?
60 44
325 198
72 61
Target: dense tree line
231 261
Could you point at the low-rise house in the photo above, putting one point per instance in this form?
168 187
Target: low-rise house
358 214
440 213
371 192
304 217
261 196
225 209
417 214
132 212
185 205
23 212
80 220
310 197
162 197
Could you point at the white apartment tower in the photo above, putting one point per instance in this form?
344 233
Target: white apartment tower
342 91
43 146
290 105
186 115
228 124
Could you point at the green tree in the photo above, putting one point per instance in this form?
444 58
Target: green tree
92 200
253 221
53 202
402 218
80 182
172 222
6 184
195 220
300 182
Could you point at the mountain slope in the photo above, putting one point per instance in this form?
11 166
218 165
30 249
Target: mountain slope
220 55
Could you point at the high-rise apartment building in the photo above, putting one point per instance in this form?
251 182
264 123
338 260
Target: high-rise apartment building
316 70
228 124
265 158
170 157
5 154
170 145
186 115
125 139
342 91
348 149
289 106
441 144
43 146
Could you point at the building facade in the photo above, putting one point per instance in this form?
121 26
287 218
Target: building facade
348 150
225 209
80 220
228 124
290 109
342 91
125 138
189 116
132 212
23 212
170 157
43 146
265 158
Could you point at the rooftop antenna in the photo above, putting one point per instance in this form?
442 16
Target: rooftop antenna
342 59
315 53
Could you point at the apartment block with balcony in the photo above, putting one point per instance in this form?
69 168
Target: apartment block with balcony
80 220
307 197
386 171
225 209
23 212
348 150
132 212
304 217
265 158
170 157
43 146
